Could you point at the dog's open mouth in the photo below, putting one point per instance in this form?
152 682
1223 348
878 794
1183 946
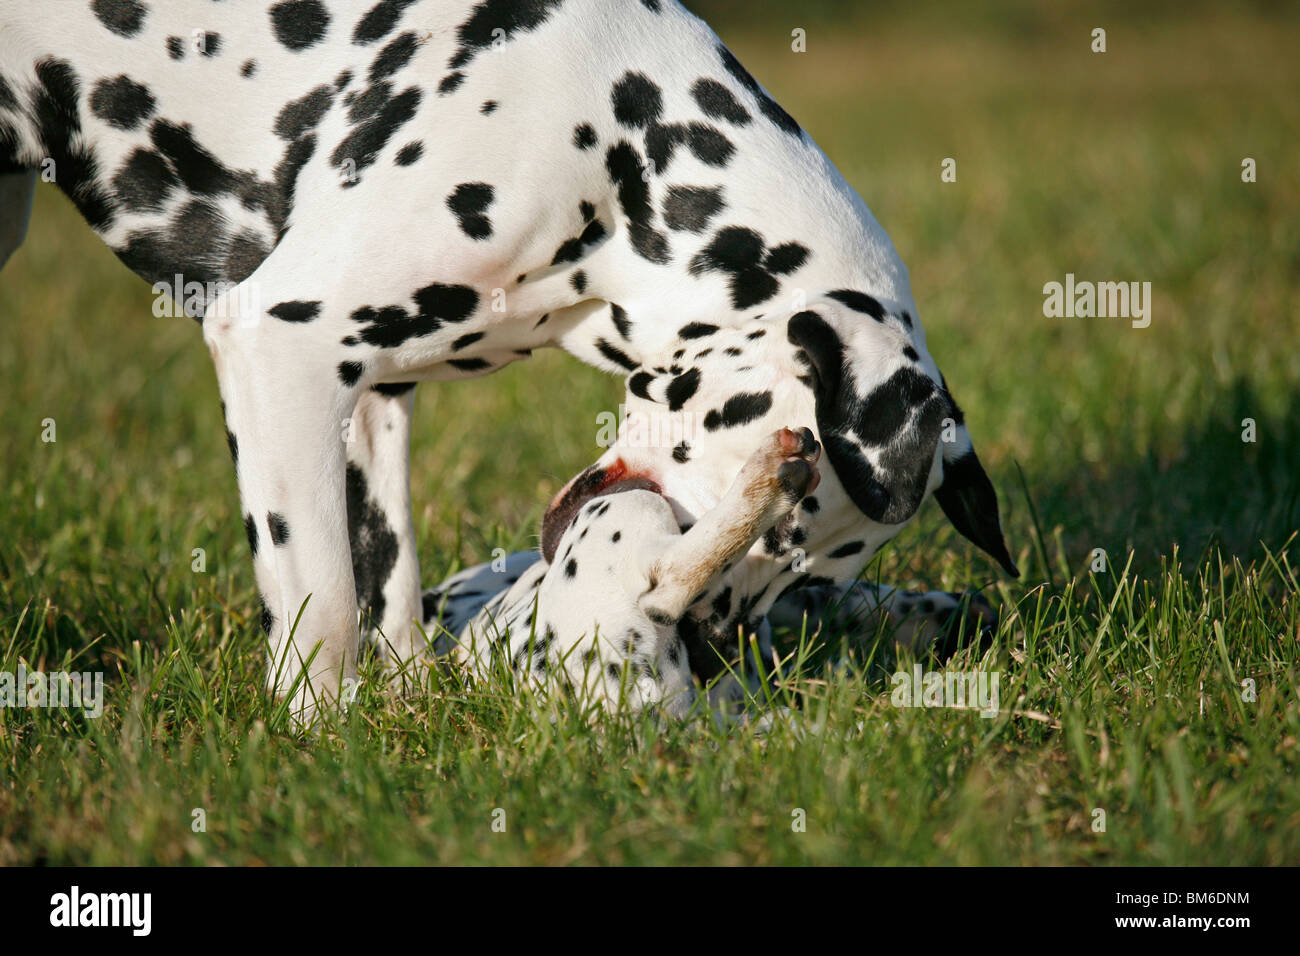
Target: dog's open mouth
595 482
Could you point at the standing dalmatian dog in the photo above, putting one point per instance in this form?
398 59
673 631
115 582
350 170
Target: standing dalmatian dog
366 195
659 560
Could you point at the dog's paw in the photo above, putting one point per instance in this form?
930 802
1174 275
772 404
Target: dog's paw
794 455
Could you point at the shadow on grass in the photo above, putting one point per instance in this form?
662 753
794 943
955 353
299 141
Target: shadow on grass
1209 488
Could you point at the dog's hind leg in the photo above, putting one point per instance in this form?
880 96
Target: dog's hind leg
451 605
380 530
922 622
287 404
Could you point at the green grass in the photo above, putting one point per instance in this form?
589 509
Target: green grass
1120 691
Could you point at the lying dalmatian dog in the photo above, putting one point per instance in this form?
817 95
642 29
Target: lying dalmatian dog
660 559
352 197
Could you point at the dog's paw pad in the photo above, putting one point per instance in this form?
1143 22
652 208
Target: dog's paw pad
796 477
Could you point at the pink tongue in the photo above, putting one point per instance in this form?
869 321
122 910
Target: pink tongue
592 483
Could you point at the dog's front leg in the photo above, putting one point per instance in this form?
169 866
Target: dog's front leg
380 531
770 484
286 408
17 187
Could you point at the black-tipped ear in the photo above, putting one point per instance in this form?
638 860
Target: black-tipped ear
968 499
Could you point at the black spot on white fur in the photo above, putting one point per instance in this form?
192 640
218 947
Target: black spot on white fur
626 171
469 202
374 545
350 372
739 410
279 528
766 104
394 56
123 17
122 102
497 20
144 182
250 529
859 302
718 102
379 21
618 315
751 268
298 117
682 388
689 208
571 250
409 153
377 121
615 355
299 24
55 109
296 311
639 383
637 101
391 326
696 330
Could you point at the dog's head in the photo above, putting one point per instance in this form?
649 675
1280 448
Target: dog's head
855 373
892 430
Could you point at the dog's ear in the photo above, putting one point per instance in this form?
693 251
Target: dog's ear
966 495
968 499
880 436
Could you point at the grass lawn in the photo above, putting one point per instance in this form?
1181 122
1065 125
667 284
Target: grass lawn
1161 691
